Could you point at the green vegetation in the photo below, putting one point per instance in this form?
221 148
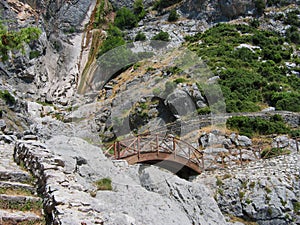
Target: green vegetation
104 184
15 191
102 10
125 19
173 16
160 4
241 194
22 206
16 40
248 201
219 182
297 207
161 36
260 6
139 9
252 184
7 97
34 54
273 152
254 74
140 37
251 126
114 39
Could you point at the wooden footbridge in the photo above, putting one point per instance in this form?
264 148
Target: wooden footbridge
170 152
179 156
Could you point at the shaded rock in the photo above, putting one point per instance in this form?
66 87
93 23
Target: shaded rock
180 103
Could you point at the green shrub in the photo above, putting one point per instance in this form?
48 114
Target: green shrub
104 184
7 97
297 207
125 19
139 9
204 111
250 78
160 4
181 80
140 37
16 40
219 182
260 6
173 16
34 54
161 36
113 40
273 152
250 126
292 18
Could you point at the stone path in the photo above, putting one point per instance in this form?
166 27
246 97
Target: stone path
19 203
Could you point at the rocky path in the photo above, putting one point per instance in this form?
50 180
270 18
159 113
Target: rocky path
19 203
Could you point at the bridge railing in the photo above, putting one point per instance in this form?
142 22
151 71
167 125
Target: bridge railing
169 144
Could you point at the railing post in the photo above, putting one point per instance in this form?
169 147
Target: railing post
174 147
202 159
138 146
157 147
115 149
118 149
241 157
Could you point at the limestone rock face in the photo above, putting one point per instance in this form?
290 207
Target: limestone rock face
67 169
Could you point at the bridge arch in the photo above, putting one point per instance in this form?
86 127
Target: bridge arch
167 151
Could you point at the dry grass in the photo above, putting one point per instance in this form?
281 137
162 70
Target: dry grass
234 219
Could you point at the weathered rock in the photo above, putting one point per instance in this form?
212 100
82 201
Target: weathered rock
180 103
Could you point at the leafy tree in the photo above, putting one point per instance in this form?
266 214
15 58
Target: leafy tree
173 16
15 40
125 19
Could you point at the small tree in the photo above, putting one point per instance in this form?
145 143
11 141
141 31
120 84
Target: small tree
139 9
125 19
173 16
15 40
162 36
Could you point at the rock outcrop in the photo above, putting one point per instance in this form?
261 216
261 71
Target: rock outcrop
68 169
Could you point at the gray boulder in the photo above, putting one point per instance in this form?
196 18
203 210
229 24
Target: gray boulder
180 103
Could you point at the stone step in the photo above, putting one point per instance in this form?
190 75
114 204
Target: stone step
16 187
12 218
22 203
12 176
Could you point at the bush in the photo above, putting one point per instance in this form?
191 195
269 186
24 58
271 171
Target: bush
273 152
173 16
104 184
113 40
250 126
161 36
138 9
7 97
160 4
260 6
125 19
140 37
16 40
